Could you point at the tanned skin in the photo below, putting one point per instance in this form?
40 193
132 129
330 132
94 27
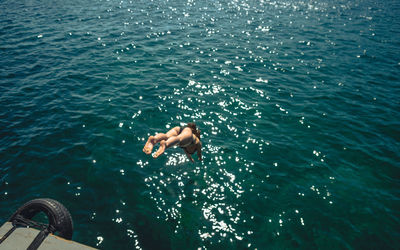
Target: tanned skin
188 141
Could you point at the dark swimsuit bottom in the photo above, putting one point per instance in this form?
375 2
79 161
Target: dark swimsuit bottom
181 129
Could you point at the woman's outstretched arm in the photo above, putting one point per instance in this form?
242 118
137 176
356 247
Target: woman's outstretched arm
199 151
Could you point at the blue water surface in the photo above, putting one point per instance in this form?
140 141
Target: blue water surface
298 102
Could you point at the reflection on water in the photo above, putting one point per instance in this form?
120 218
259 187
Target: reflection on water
296 101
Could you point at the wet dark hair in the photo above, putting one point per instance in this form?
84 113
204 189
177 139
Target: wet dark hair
195 131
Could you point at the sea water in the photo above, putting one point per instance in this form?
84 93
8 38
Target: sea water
297 102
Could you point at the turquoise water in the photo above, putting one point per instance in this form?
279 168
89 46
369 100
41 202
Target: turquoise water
298 103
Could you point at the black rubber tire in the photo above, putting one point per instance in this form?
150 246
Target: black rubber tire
57 214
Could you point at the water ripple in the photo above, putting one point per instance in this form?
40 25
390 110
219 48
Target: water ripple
297 102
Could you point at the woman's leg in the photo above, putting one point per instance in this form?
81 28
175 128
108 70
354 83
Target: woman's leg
184 138
152 141
159 137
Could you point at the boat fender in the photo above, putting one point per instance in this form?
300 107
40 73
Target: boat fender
59 218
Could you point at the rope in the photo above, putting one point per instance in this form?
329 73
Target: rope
20 221
7 234
40 238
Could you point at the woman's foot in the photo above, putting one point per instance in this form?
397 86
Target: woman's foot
149 145
160 150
